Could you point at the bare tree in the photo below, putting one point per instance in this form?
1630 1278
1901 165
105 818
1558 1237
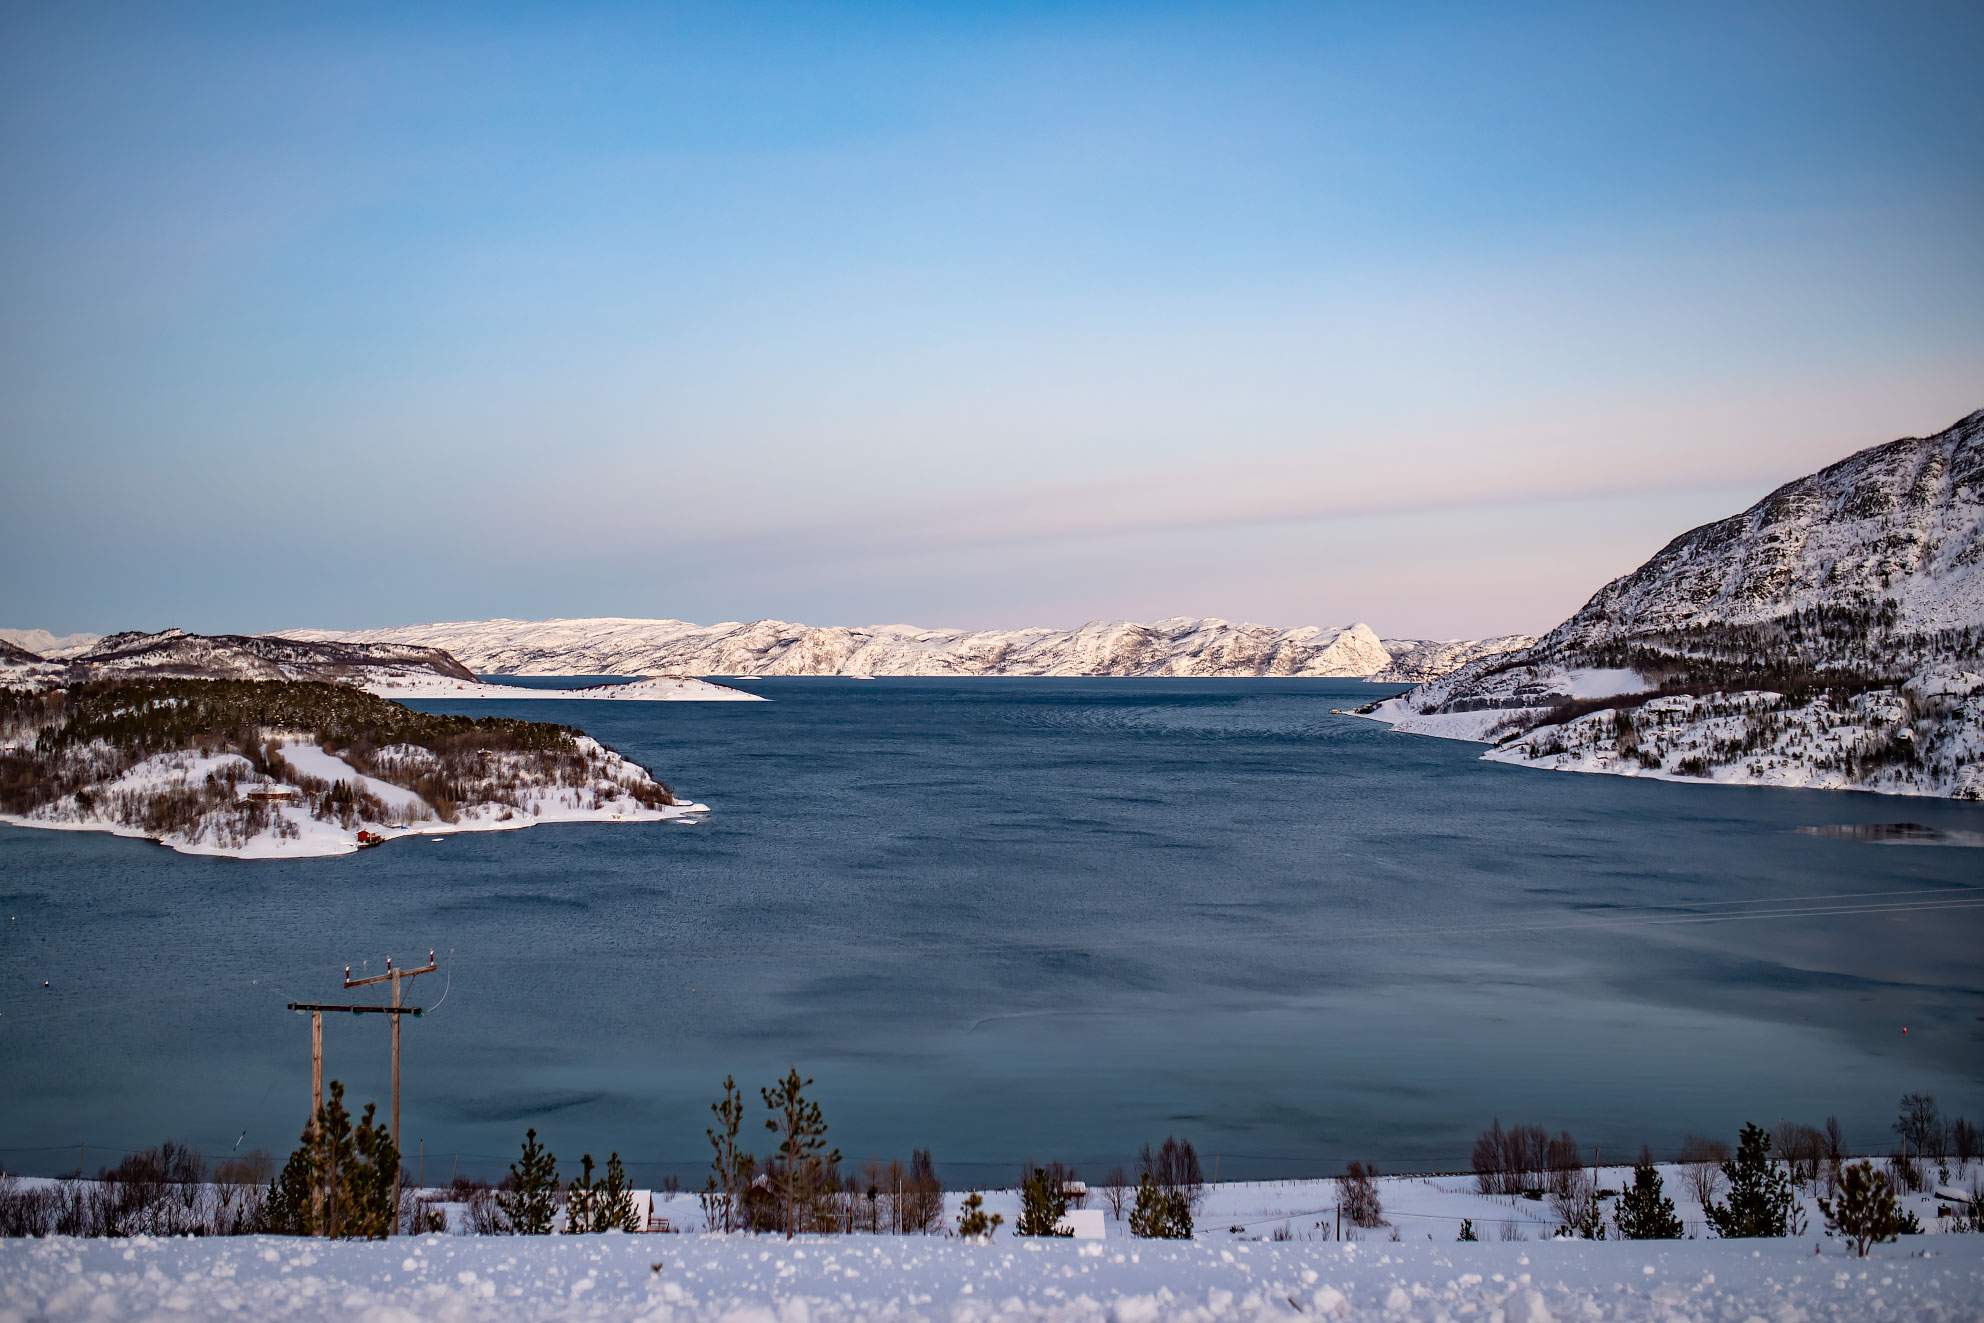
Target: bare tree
1514 1160
1565 1164
1701 1166
1803 1150
1964 1140
1921 1128
1116 1191
1835 1155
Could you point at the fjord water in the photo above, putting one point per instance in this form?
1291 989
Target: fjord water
1024 919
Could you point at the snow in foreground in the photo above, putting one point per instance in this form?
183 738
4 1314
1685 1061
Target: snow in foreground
436 1279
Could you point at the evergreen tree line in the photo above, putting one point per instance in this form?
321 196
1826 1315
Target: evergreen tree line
342 1178
1859 1200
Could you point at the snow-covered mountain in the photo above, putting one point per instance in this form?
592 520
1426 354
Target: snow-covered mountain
1182 646
391 670
1832 635
57 647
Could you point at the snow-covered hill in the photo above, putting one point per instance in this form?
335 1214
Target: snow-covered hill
1181 646
391 670
174 652
1832 636
1415 661
272 769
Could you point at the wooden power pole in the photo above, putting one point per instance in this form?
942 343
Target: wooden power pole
395 1011
394 976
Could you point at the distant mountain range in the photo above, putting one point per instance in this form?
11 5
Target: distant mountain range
1832 635
1182 646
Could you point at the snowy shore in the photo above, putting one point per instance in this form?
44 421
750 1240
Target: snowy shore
680 1279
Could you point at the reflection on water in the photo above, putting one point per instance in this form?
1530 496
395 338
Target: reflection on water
1013 919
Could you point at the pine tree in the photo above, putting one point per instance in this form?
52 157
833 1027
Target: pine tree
1865 1211
1645 1212
532 1199
581 1201
338 1182
290 1209
369 1209
973 1223
1042 1206
615 1209
1467 1229
1760 1202
799 1165
730 1170
1160 1214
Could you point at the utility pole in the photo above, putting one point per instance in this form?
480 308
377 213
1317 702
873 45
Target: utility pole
317 1010
316 1063
394 976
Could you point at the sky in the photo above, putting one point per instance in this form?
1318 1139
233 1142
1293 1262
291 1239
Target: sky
1431 316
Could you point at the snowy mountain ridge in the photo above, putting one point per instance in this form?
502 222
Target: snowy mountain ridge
1180 646
1831 636
391 670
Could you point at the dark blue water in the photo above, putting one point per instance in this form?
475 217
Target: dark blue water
1012 919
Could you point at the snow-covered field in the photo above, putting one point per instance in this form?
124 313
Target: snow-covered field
742 1279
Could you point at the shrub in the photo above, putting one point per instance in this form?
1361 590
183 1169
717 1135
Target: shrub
1865 1212
1042 1205
1160 1214
974 1223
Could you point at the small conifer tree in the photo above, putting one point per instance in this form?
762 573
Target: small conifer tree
1042 1206
799 1167
581 1201
371 1181
730 1168
338 1182
1645 1212
1467 1229
1160 1214
1760 1202
290 1208
614 1209
1865 1211
531 1202
974 1223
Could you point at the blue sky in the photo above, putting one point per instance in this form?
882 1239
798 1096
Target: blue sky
1433 316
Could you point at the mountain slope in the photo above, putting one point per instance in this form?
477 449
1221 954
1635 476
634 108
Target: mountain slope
1181 646
250 657
1831 635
